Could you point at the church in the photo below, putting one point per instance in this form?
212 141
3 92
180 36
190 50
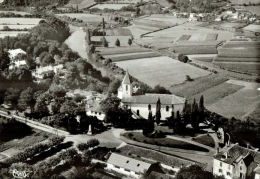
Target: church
141 105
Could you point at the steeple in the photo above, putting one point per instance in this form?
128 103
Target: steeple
126 79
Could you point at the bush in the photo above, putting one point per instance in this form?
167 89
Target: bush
93 142
83 146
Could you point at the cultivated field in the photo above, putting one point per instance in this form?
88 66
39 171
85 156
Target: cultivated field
90 18
244 2
19 21
10 33
82 4
109 6
161 70
238 104
15 12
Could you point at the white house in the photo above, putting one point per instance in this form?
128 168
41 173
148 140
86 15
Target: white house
131 167
93 106
257 172
41 72
143 104
236 162
16 58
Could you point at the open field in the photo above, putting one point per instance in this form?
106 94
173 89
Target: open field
218 92
86 17
12 26
132 56
10 33
161 70
16 12
19 21
190 89
243 1
82 4
205 140
121 50
118 31
238 104
109 6
236 59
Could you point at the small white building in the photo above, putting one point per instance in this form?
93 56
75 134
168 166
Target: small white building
131 167
41 72
236 162
16 58
93 106
143 104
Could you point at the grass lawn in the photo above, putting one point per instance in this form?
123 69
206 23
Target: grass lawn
129 150
162 70
139 137
205 140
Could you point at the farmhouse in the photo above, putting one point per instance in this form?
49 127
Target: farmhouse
16 58
42 72
131 167
142 105
236 162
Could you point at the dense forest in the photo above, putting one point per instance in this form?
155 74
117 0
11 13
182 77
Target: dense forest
34 2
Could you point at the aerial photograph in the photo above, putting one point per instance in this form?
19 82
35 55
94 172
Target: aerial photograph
129 89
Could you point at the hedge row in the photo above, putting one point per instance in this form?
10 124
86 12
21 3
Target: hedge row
239 52
31 151
186 50
122 50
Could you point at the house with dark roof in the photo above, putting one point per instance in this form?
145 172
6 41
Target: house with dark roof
142 105
131 167
236 162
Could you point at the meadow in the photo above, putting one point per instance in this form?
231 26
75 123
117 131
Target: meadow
162 70
109 6
19 21
86 17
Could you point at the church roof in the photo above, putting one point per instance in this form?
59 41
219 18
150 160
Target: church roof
126 79
165 99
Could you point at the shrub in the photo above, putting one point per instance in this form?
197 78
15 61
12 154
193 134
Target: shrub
93 142
83 146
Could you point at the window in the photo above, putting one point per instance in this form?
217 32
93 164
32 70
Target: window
127 170
167 108
220 170
228 173
149 107
126 87
241 175
127 161
138 112
99 113
220 164
138 164
116 166
126 106
240 167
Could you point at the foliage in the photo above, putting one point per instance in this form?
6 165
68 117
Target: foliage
36 3
117 43
26 99
194 171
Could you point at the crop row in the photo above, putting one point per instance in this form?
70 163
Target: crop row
151 23
195 49
237 59
248 44
239 52
122 50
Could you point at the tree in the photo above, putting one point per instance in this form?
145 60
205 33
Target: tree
69 107
104 42
194 171
158 111
11 96
88 37
26 99
130 42
5 60
93 142
117 43
194 115
113 86
41 104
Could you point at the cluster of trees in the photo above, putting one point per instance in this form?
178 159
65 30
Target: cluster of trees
36 3
194 5
193 114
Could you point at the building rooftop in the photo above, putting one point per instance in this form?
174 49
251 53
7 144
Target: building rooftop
128 163
237 153
166 99
14 52
126 79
